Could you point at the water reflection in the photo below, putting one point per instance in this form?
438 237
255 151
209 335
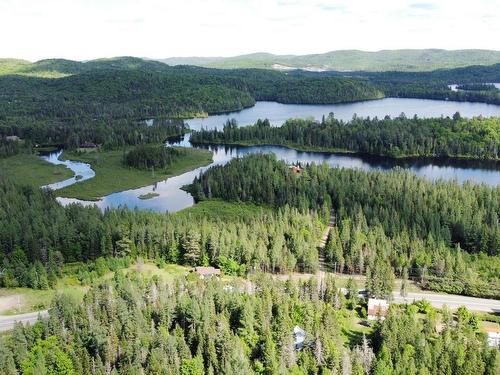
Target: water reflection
172 198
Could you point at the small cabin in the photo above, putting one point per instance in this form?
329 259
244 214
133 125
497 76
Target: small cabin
296 169
206 272
377 308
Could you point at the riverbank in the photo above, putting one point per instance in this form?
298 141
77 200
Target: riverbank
113 176
28 169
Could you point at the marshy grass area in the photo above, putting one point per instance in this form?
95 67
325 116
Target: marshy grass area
27 169
112 175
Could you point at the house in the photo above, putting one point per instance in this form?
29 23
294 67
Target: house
206 272
299 337
494 339
12 138
295 168
377 308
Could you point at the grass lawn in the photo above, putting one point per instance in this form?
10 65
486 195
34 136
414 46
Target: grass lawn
220 209
23 300
30 169
112 176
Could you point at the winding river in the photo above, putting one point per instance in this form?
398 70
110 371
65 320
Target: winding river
172 198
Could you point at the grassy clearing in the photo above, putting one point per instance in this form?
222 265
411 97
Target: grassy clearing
220 209
23 300
112 176
31 170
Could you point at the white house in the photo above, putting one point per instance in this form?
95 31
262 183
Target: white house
377 308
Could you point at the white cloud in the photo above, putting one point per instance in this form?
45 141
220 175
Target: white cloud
85 29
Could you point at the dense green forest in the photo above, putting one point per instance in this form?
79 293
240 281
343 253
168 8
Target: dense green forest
477 138
391 217
156 156
37 236
428 85
131 325
137 89
477 86
112 134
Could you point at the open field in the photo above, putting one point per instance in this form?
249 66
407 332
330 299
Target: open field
30 169
112 176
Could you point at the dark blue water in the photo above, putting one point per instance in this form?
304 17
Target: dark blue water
172 198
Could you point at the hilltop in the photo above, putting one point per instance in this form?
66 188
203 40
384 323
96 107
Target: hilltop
349 60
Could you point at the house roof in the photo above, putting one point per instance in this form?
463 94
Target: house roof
377 306
206 271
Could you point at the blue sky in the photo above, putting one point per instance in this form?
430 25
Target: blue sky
86 29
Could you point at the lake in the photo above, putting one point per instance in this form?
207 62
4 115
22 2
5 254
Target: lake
172 198
278 113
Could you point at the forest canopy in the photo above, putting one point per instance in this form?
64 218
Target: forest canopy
477 138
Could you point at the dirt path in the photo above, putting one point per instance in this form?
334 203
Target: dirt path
323 267
10 302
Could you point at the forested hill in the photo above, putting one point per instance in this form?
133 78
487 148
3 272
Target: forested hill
135 88
349 60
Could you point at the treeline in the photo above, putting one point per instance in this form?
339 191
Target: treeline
477 138
10 147
438 92
130 325
477 86
36 232
111 134
354 247
428 85
395 218
147 156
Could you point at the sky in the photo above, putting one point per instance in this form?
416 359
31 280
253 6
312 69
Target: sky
88 29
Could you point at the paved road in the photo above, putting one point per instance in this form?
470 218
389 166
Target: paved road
452 301
7 322
436 300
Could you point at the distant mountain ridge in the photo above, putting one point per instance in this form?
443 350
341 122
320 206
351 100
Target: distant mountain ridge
351 60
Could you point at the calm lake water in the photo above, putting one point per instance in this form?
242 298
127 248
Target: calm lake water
278 113
172 198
